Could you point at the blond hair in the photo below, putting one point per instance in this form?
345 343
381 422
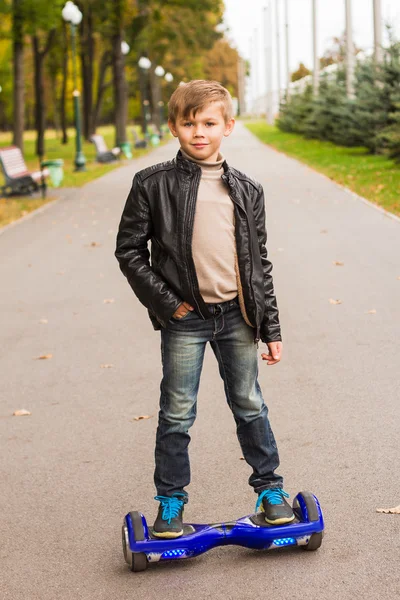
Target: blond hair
195 95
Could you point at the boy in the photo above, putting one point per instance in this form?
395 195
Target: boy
209 281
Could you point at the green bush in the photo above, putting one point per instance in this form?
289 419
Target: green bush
371 120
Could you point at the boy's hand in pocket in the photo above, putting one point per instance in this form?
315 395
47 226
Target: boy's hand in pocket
182 310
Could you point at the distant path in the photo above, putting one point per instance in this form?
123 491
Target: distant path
72 469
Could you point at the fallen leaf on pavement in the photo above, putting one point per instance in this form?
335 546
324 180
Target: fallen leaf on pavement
21 413
332 301
241 458
324 231
44 357
93 245
338 263
43 321
142 417
108 300
389 511
106 366
371 312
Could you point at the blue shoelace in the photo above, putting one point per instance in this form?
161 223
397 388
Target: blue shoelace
273 495
171 506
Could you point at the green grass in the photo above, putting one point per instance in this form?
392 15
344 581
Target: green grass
376 178
13 208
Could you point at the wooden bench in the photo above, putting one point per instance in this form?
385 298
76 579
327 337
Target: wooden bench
18 180
104 155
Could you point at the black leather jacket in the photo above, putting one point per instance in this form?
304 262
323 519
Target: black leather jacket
161 207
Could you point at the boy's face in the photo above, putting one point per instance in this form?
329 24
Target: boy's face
201 136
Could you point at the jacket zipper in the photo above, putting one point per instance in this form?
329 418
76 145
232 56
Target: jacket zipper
257 338
189 229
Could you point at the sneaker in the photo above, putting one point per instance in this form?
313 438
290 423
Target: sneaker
272 502
168 523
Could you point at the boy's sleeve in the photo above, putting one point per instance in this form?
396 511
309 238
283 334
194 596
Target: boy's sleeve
270 327
135 230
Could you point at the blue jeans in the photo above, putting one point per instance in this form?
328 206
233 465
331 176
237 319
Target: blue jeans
183 344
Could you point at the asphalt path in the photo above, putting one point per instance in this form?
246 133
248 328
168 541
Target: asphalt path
72 469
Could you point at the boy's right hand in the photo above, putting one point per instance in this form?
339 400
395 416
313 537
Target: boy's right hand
182 310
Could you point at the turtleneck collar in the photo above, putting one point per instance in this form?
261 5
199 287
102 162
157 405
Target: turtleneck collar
206 166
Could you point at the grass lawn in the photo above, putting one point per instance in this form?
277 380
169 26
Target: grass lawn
13 208
374 177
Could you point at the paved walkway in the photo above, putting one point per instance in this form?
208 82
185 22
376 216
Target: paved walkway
72 469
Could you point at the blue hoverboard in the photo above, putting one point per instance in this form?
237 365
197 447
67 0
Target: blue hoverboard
141 547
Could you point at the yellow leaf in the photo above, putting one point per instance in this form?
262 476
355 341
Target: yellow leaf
338 263
43 321
142 417
108 300
389 511
94 244
44 357
106 366
21 413
332 301
371 312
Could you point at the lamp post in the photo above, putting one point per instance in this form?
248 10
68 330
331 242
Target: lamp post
144 65
123 100
160 72
168 78
73 15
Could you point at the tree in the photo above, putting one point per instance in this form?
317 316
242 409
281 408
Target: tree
221 64
295 111
176 34
42 19
301 72
389 137
18 72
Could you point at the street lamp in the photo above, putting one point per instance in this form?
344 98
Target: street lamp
125 47
73 15
144 64
160 72
122 142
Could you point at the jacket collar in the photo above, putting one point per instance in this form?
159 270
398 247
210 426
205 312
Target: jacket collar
188 166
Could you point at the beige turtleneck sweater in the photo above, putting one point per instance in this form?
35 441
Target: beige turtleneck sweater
213 242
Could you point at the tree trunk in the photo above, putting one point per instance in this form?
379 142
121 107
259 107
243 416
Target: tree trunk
63 117
87 58
105 62
120 89
40 109
40 123
155 87
18 69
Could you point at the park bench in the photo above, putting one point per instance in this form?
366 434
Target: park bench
104 155
137 142
18 180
